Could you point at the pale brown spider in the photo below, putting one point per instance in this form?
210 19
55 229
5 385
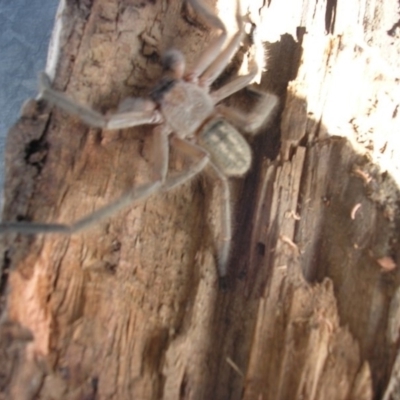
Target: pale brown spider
185 114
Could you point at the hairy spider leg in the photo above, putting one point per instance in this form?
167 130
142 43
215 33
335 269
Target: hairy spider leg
220 62
265 103
94 118
136 194
224 240
260 114
140 193
213 49
255 67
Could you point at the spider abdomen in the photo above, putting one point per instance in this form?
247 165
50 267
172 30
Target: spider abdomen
226 146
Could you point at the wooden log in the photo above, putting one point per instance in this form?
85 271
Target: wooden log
132 308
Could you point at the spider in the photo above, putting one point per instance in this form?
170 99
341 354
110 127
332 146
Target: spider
188 117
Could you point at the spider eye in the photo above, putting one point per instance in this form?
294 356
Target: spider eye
174 62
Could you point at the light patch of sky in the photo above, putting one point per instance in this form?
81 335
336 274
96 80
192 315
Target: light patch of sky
25 30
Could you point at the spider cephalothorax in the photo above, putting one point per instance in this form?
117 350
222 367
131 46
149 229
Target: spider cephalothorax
187 115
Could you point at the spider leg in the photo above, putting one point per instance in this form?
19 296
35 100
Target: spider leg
90 117
94 118
161 151
259 115
192 151
133 118
136 194
219 64
161 154
225 239
256 65
234 85
207 57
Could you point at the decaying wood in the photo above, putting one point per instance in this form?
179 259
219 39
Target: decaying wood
132 308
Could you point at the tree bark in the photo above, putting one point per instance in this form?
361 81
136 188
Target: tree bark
133 307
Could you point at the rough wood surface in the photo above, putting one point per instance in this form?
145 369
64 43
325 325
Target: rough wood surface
132 308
